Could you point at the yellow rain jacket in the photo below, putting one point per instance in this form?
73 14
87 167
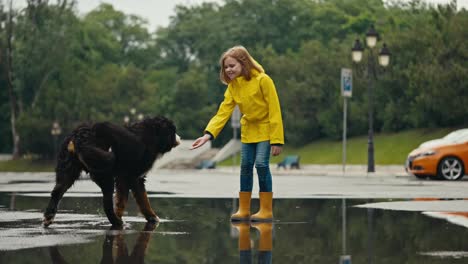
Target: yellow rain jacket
259 104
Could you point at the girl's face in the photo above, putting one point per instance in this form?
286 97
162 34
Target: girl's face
232 68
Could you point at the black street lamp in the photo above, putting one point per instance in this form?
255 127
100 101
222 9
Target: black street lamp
133 116
384 59
126 119
55 131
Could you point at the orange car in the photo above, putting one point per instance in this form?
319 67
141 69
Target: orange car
445 160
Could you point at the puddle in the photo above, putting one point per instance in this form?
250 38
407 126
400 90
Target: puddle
429 205
27 181
199 231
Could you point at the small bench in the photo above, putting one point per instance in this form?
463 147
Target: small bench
291 161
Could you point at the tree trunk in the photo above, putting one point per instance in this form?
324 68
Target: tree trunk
11 93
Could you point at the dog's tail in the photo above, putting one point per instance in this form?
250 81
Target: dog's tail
68 159
83 149
71 146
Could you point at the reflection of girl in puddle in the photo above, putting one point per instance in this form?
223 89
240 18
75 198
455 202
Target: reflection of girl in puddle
245 253
265 242
114 240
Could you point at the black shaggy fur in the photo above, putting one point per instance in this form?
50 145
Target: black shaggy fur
115 157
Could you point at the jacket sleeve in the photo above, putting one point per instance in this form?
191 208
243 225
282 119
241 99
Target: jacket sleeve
217 123
274 109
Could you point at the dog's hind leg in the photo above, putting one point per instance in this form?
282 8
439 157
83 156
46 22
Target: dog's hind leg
64 180
121 196
106 182
139 192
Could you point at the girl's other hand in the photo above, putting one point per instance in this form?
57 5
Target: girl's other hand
200 141
276 150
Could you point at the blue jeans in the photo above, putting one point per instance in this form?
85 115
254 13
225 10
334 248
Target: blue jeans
257 154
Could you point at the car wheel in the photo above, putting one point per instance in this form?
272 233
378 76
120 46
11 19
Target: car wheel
451 168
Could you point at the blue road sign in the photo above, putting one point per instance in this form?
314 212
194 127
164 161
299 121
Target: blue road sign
346 82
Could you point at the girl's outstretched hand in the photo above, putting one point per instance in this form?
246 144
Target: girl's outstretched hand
200 141
276 150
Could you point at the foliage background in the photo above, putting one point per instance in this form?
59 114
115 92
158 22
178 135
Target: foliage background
75 69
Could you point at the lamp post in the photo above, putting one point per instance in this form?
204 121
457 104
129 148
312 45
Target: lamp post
126 119
133 116
55 131
384 59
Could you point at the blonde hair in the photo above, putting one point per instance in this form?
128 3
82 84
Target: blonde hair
240 54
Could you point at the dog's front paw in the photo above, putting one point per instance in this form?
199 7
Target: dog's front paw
116 227
149 226
153 219
47 221
117 223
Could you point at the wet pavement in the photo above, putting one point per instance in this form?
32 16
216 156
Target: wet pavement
318 219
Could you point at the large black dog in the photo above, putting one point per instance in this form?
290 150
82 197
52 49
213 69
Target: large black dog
114 156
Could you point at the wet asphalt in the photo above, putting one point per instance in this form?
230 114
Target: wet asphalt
379 218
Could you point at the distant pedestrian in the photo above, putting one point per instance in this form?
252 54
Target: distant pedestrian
254 92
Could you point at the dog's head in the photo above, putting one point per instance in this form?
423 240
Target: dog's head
160 132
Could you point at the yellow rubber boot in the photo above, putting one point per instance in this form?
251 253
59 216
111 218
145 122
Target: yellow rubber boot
243 214
265 241
265 214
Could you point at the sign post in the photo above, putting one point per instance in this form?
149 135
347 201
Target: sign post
346 92
346 259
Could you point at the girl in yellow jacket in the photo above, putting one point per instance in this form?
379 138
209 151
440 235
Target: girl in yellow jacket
253 91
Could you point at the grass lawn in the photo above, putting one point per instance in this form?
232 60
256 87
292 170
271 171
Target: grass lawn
26 165
390 149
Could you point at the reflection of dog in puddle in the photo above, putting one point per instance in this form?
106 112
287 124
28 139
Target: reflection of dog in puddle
115 157
265 241
114 248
